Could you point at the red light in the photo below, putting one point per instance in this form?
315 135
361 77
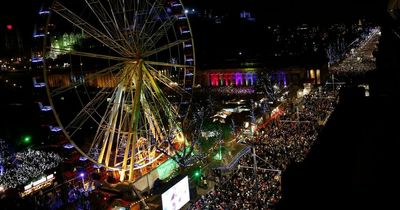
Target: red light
9 27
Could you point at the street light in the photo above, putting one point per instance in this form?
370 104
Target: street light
197 173
82 175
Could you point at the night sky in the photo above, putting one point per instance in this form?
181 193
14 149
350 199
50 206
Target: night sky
22 13
298 10
19 11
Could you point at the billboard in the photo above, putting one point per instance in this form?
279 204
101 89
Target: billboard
176 196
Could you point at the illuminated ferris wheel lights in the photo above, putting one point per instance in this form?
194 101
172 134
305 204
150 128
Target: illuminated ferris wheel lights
38 35
133 95
176 4
68 146
83 158
173 84
43 12
37 60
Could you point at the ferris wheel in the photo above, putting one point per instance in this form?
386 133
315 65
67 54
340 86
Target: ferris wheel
119 76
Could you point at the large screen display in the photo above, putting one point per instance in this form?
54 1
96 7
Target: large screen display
176 196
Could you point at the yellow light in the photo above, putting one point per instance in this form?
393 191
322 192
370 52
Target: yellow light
312 74
179 137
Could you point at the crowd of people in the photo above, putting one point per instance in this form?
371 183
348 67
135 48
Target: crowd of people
27 166
360 59
232 90
355 65
285 140
70 195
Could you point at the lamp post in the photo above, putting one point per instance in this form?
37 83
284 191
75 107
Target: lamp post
82 175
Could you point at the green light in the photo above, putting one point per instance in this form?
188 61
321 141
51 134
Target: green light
197 173
218 156
249 69
27 139
166 169
63 44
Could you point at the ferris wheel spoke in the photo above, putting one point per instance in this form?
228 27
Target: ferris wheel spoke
150 104
171 85
156 63
87 112
158 104
89 29
90 55
116 7
107 128
167 81
108 22
151 119
153 106
130 7
169 111
159 33
90 77
111 124
151 19
165 47
151 13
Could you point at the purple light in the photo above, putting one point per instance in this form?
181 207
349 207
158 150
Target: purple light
249 78
37 60
96 166
185 31
238 79
38 35
82 158
284 80
44 12
68 146
176 4
82 174
38 84
54 128
44 108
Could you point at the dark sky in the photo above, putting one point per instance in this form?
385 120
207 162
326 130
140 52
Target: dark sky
276 9
302 10
23 13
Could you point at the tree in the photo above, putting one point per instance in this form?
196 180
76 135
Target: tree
265 84
184 156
